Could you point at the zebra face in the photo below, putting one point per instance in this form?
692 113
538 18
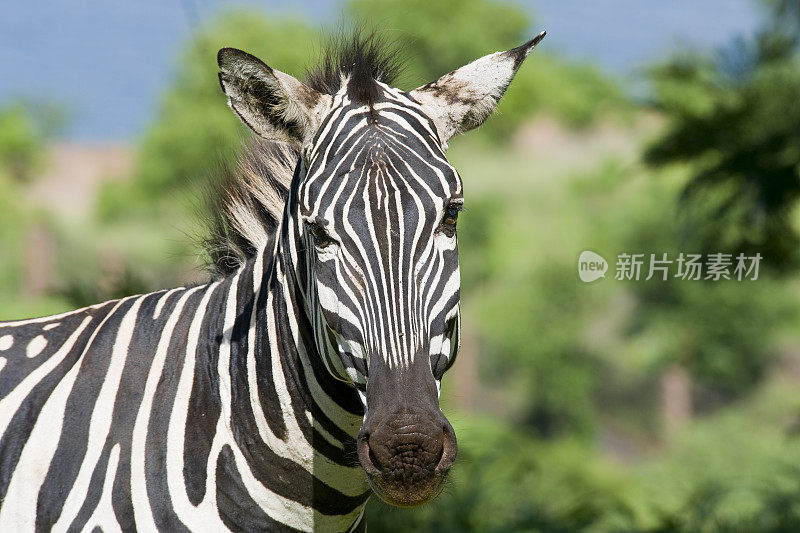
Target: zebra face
375 240
379 207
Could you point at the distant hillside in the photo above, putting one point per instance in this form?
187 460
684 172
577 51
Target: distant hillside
73 174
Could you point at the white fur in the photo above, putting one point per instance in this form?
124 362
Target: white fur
35 347
6 342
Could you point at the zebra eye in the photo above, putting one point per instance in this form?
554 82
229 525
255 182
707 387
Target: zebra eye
448 224
321 237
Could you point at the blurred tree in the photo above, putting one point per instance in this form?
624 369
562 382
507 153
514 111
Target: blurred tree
787 16
193 129
474 28
575 93
21 143
13 218
530 316
722 334
551 375
734 117
25 127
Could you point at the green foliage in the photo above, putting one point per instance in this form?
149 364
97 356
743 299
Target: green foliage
786 15
517 247
194 129
719 331
24 129
474 29
734 119
21 143
13 219
735 472
87 288
722 331
21 156
568 354
553 377
575 93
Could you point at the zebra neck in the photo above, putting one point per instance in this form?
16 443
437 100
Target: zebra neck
275 345
288 417
297 332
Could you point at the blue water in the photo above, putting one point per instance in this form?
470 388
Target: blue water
107 61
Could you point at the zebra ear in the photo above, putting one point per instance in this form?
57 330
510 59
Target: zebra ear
463 99
275 105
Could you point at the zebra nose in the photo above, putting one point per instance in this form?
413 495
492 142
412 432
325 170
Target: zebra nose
407 457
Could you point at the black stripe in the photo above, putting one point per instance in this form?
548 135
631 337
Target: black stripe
80 405
157 430
236 508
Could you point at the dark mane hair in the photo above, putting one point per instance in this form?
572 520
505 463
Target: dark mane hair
244 203
361 59
246 198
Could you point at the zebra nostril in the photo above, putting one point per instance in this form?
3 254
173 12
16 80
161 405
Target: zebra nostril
373 459
440 454
365 455
449 449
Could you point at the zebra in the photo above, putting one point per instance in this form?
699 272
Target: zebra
305 375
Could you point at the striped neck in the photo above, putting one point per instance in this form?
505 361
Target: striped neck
300 411
287 272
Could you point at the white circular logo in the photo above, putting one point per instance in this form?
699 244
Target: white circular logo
591 266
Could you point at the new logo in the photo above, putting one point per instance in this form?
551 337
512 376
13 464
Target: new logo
591 266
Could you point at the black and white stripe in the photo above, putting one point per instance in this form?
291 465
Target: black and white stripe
199 408
385 284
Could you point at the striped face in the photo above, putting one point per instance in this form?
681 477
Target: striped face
378 210
375 227
379 207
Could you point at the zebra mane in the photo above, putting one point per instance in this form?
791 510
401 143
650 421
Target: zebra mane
358 59
244 203
246 199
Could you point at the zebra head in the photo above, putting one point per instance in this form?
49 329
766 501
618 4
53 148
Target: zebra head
373 210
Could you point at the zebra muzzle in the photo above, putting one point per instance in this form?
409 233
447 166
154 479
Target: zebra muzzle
407 455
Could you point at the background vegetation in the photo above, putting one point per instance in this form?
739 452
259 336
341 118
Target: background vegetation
612 406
